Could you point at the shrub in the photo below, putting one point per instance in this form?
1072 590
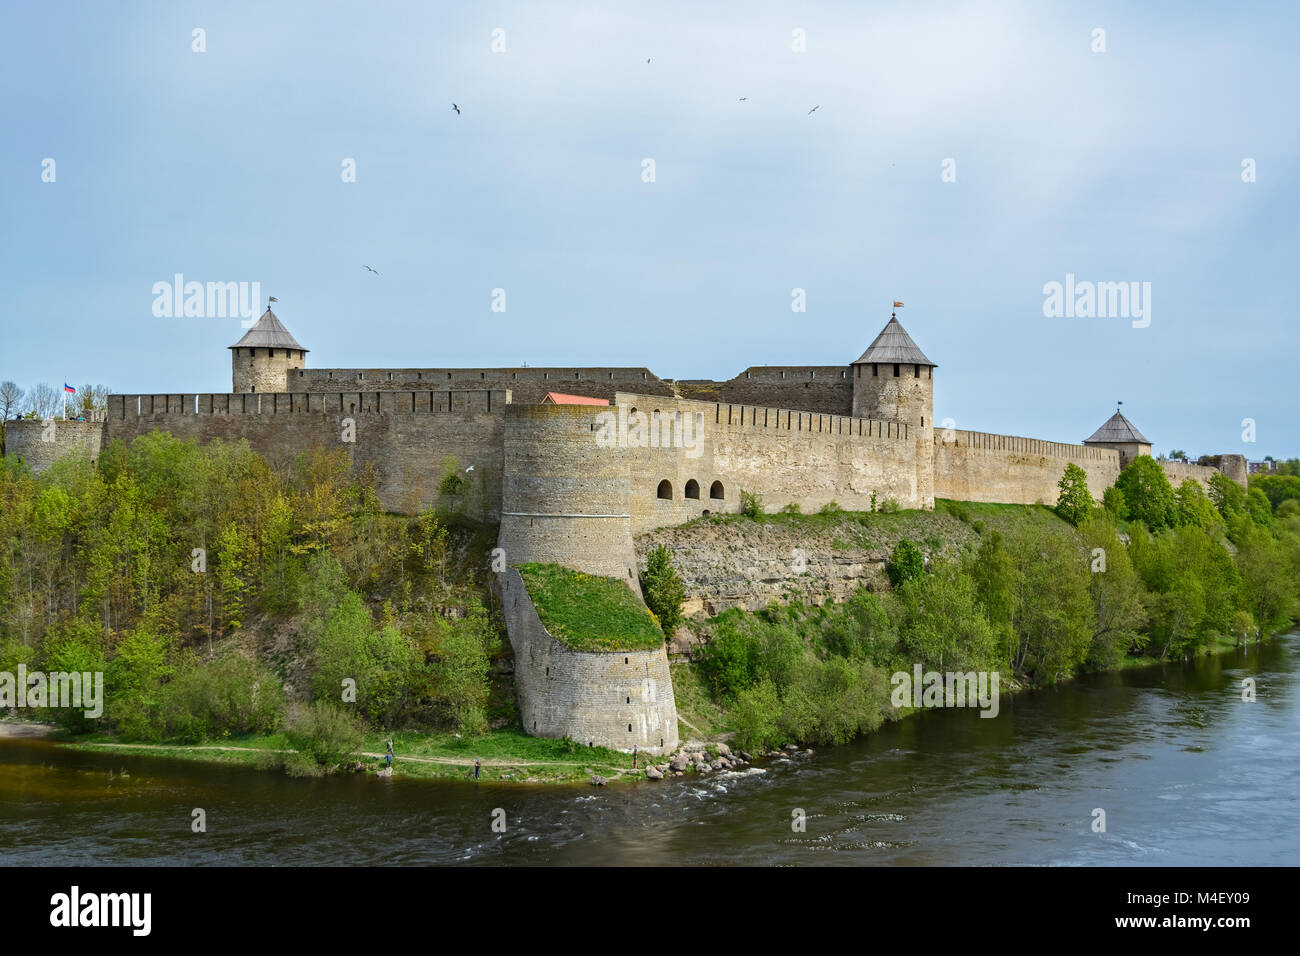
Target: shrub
791 509
905 563
663 589
324 735
751 505
830 508
229 695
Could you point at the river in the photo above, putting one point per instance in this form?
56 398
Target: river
1185 770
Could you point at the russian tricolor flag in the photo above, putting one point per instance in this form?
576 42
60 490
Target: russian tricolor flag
69 388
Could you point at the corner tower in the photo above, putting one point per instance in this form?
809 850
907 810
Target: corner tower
261 360
894 381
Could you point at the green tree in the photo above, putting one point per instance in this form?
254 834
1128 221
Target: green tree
1074 501
1115 591
1147 493
1193 506
663 589
1112 500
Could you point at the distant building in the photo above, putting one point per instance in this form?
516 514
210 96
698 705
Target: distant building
1261 467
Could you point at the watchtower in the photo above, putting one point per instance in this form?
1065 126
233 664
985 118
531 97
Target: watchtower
261 360
1122 435
894 381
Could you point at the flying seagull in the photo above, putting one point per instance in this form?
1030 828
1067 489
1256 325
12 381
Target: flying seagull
647 59
469 469
375 271
456 108
814 109
743 98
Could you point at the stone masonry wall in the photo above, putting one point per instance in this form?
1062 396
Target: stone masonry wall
404 435
812 388
527 385
40 444
1176 472
616 699
786 457
978 466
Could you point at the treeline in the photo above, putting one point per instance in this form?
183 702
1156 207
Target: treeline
217 593
1155 573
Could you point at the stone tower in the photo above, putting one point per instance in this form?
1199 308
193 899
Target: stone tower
894 381
1122 435
261 360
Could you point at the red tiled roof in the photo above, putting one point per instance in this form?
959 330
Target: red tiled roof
559 398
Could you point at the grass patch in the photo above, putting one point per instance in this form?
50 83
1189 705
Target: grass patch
587 612
695 703
508 755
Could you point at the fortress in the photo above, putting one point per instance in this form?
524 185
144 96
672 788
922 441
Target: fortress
572 462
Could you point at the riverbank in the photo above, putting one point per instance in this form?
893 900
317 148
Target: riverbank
506 755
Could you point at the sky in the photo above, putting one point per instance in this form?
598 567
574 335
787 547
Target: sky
961 157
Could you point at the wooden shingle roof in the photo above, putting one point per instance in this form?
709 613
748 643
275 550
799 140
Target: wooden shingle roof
1117 429
893 344
268 332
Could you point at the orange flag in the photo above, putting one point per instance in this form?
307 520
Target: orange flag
898 305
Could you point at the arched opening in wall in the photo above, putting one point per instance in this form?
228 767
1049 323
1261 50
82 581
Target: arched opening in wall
352 406
716 492
692 489
665 490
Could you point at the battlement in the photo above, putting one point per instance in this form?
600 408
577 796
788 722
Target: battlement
325 379
727 415
987 441
126 407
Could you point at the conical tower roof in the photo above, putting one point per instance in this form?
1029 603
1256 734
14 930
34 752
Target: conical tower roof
268 332
1118 430
893 344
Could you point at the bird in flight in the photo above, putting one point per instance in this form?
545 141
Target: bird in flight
814 109
743 98
456 108
647 59
375 271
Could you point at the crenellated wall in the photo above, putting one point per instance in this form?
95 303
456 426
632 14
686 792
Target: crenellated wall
979 466
527 385
403 435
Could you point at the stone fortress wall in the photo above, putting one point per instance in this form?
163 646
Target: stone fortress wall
403 435
620 699
978 466
40 444
572 484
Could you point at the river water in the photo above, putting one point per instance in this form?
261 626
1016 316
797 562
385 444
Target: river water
1185 770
